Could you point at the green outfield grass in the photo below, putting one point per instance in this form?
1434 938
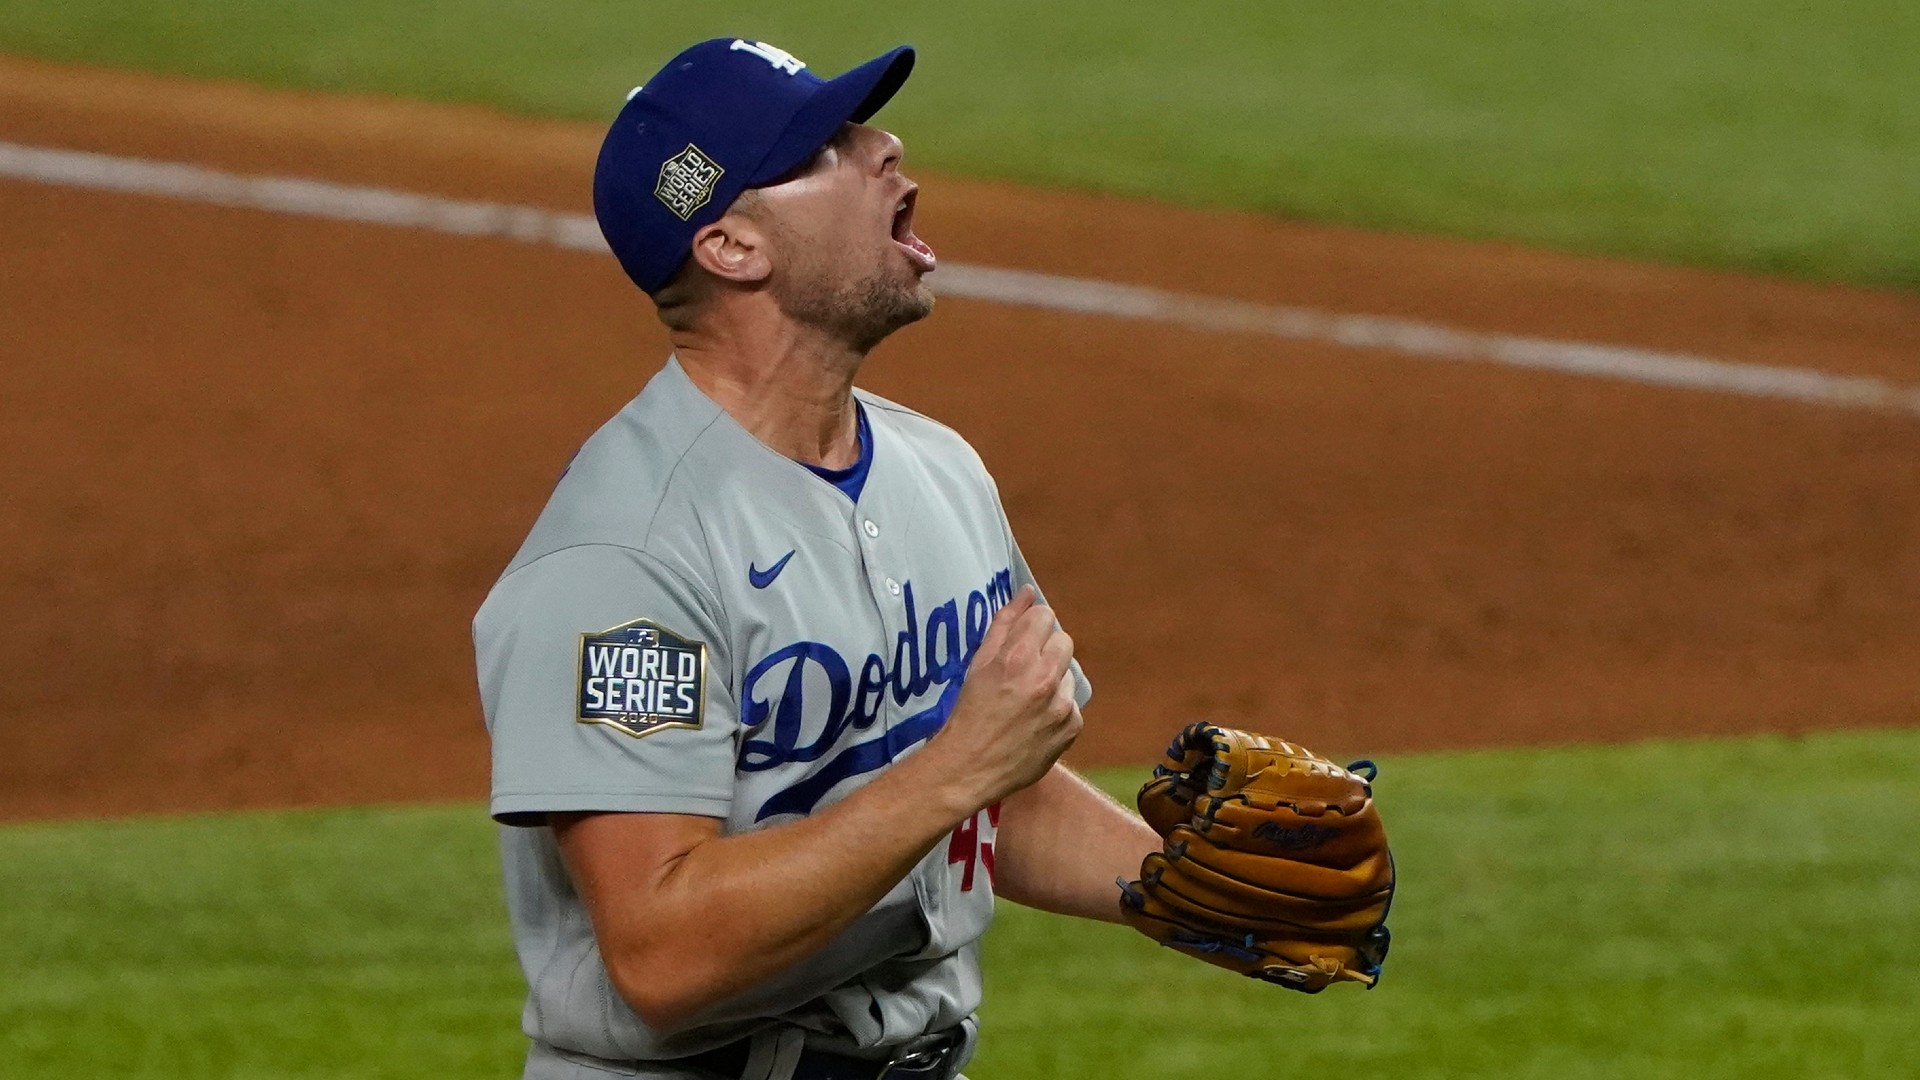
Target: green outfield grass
1771 134
1740 909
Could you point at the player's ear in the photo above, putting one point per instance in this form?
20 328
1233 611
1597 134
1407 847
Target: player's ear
733 249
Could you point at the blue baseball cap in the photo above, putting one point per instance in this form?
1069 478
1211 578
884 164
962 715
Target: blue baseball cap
723 116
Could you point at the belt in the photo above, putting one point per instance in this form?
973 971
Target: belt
931 1059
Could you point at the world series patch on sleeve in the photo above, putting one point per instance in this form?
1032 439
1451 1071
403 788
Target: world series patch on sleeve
641 677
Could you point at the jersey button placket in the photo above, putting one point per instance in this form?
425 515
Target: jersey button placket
886 594
882 584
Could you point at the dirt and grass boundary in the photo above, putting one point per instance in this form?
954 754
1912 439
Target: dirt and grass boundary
275 463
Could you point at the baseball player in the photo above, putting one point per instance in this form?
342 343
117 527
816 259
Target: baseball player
775 702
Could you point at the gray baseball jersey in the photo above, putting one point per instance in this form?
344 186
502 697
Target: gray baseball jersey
698 625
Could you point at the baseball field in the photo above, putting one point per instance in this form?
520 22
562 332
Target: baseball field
1524 397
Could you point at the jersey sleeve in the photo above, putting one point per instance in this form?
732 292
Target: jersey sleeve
604 675
1023 575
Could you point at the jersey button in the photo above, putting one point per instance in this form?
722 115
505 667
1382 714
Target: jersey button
893 587
871 528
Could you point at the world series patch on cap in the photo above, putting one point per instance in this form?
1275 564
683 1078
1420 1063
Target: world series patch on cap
725 115
640 677
686 181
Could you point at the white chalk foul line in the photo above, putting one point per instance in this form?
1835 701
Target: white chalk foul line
579 232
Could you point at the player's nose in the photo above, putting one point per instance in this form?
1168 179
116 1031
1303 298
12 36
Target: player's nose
884 148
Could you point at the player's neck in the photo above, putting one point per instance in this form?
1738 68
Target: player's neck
790 387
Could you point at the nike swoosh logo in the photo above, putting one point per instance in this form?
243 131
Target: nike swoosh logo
763 578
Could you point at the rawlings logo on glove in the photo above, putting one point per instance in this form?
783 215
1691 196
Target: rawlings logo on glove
1275 865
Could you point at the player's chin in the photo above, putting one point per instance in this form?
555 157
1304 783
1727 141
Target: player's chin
920 301
912 298
903 307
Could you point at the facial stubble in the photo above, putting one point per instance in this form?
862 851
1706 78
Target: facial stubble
859 311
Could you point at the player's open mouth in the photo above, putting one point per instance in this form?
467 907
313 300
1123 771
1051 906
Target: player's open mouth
917 250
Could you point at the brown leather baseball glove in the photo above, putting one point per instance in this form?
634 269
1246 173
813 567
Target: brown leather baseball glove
1275 866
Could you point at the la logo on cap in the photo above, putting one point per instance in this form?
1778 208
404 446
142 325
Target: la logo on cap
779 58
686 181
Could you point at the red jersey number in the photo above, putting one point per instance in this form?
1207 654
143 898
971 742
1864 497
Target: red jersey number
972 843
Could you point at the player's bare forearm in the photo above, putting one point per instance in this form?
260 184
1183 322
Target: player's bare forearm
1062 842
687 918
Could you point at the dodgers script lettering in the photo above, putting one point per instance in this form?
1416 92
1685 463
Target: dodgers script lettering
788 719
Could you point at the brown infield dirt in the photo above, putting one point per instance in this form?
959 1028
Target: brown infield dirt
262 469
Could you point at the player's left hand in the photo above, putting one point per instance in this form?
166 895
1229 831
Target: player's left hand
1275 864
